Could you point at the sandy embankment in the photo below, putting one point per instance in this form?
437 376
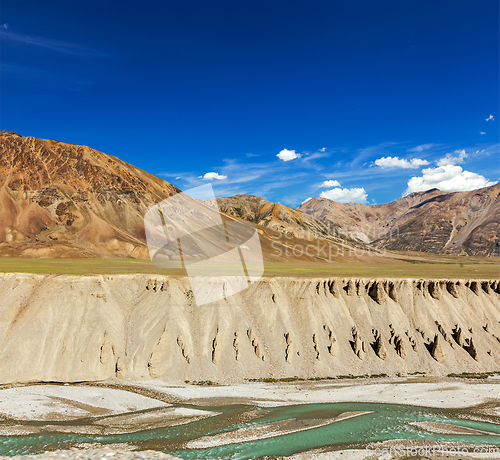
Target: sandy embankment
146 327
50 402
112 411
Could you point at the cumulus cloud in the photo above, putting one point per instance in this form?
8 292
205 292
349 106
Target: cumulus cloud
330 183
458 156
447 178
322 149
396 162
490 118
213 176
287 155
306 200
482 132
346 195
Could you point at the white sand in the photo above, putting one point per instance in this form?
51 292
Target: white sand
118 453
441 394
55 402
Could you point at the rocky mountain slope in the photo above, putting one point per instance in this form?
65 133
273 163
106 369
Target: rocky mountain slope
68 328
59 199
462 223
273 215
64 200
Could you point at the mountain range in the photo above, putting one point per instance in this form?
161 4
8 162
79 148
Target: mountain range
64 200
461 223
59 200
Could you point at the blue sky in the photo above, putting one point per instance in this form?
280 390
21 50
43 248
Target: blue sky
362 101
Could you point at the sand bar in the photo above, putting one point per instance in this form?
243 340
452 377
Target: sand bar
439 393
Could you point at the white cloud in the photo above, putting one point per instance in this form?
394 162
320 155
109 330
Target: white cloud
490 118
447 178
213 175
330 183
396 162
421 148
322 149
54 45
449 159
307 199
287 155
482 132
346 195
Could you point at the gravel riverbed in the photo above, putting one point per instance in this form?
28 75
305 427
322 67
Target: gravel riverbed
94 454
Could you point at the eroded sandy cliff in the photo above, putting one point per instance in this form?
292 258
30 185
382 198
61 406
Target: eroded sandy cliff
66 328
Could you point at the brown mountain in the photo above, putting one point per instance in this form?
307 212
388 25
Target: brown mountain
462 223
64 200
273 215
284 220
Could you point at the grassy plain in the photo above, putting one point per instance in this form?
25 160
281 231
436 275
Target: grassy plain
406 265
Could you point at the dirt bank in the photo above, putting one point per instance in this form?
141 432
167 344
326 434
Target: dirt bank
68 328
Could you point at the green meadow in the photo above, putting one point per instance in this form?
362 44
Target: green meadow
432 267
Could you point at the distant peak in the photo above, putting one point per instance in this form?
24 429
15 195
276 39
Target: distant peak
425 192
